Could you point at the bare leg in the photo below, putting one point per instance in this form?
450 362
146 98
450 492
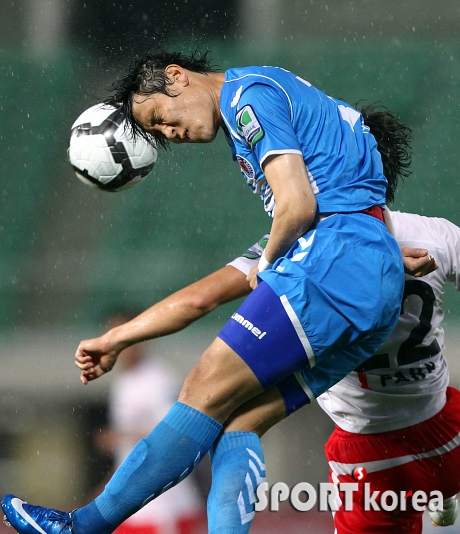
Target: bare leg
219 383
259 414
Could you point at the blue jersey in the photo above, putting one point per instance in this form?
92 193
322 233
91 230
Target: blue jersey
269 111
331 301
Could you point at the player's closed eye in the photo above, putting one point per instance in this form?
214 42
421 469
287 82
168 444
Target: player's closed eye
161 139
155 120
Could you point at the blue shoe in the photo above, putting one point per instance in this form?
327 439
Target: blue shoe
29 519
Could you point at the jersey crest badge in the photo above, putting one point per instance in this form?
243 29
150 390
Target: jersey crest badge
246 168
248 126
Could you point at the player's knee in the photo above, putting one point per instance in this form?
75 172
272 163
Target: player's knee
202 378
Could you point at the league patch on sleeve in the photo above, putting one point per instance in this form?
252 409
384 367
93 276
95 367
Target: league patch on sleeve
248 126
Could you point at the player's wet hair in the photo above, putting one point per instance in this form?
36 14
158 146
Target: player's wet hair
146 76
393 140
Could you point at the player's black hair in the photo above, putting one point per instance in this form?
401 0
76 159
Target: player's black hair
146 76
393 140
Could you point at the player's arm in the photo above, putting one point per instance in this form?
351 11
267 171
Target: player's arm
295 206
182 308
94 357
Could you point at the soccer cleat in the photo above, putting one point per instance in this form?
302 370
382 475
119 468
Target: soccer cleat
29 519
447 516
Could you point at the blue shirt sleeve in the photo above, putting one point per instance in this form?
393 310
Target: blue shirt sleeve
264 121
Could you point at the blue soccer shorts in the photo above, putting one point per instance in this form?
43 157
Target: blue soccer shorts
323 309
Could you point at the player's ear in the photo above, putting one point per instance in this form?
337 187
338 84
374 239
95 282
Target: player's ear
178 74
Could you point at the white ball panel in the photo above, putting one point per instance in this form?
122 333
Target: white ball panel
82 148
141 153
94 115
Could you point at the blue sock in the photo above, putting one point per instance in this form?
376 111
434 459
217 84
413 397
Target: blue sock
158 462
237 463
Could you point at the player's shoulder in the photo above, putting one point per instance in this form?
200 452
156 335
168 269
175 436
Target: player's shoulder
247 80
252 92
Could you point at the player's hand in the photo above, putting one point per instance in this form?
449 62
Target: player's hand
418 261
252 276
94 358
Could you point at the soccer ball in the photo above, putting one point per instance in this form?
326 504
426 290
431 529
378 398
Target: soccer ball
103 152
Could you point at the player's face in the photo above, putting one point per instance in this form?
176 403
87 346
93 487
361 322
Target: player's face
188 117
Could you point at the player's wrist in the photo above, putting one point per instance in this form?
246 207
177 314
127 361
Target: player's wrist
264 264
116 339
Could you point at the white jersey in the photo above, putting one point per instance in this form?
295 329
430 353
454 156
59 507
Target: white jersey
405 382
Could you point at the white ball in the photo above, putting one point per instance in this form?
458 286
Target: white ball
103 152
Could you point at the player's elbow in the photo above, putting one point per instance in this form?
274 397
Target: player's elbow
297 219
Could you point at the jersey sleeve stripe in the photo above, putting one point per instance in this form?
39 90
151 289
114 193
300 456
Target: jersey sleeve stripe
278 152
